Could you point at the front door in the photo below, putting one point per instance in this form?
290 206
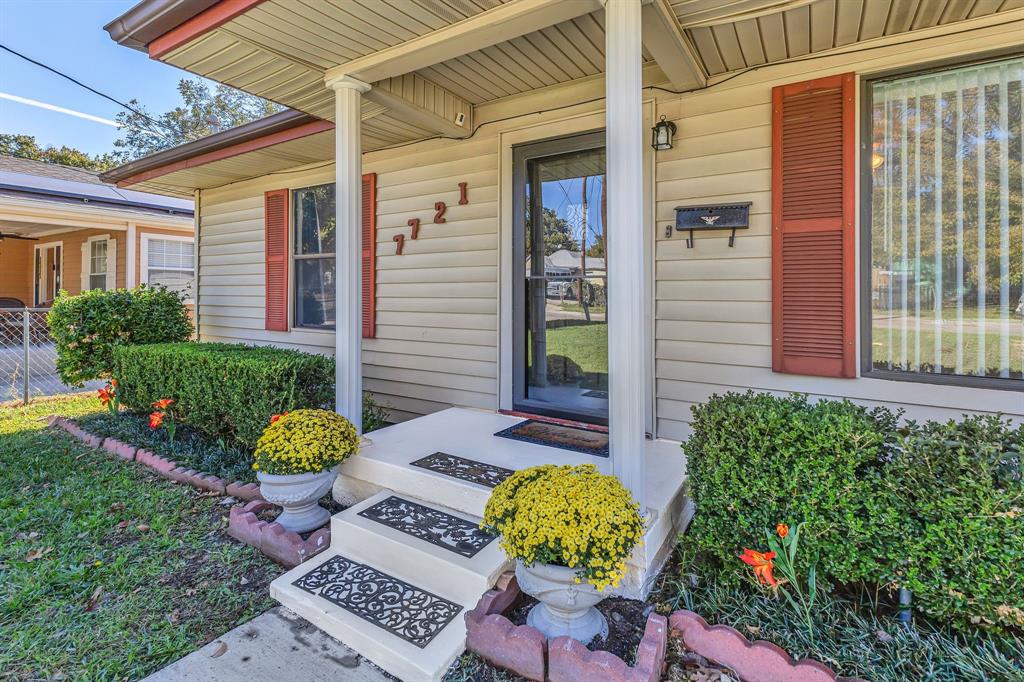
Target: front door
47 273
561 284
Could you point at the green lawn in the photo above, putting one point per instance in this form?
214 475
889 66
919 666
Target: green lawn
108 572
586 345
888 342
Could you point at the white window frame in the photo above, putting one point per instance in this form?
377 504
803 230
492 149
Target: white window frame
111 272
143 260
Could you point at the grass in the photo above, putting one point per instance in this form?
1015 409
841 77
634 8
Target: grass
577 308
888 342
851 638
108 572
586 345
189 448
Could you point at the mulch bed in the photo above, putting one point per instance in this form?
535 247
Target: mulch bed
626 618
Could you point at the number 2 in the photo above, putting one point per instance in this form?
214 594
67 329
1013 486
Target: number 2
440 207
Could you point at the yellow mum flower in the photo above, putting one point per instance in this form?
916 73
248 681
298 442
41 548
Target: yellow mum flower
571 516
305 441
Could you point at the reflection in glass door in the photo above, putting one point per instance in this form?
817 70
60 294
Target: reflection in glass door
561 324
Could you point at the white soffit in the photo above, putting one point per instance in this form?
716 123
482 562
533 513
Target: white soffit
736 34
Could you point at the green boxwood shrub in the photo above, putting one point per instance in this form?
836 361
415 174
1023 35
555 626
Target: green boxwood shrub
755 460
86 328
958 486
227 391
938 508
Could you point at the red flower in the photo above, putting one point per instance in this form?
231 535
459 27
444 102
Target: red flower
163 403
782 529
274 418
106 396
762 564
156 419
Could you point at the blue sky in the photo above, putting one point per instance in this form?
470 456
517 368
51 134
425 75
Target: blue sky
68 35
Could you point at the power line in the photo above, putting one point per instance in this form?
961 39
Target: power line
87 87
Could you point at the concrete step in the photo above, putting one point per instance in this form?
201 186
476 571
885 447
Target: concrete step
410 632
440 549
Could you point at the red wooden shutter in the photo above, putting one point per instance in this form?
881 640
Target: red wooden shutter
275 226
813 240
369 255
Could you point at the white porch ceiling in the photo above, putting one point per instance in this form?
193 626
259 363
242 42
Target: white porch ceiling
282 50
737 34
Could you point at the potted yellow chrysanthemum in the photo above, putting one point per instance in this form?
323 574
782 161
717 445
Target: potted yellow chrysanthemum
570 530
297 459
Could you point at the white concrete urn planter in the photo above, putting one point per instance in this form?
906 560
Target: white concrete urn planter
565 608
298 496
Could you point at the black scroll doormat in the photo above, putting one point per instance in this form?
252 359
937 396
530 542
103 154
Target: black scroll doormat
558 436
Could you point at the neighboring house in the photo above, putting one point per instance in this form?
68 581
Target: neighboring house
64 228
411 173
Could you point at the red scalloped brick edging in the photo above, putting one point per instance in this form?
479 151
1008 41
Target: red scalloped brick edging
758 661
161 465
524 650
283 546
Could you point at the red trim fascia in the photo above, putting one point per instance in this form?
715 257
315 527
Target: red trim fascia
204 22
304 130
555 420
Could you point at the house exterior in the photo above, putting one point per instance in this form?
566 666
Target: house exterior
64 228
837 212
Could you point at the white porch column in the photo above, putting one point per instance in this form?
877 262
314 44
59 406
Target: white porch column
625 137
348 249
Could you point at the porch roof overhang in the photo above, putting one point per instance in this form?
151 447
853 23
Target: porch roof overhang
432 63
284 140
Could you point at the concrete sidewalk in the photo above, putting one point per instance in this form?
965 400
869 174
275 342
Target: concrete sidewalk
277 646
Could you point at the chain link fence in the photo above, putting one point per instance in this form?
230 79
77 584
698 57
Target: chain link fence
28 357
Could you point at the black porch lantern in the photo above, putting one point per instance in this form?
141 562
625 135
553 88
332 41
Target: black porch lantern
661 134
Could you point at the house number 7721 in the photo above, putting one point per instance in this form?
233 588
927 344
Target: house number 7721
440 209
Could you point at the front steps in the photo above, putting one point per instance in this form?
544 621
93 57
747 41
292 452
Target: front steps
396 582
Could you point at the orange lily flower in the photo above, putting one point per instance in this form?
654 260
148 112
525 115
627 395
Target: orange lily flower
782 529
113 382
156 419
278 416
105 396
163 403
762 564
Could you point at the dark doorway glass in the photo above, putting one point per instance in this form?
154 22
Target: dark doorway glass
562 324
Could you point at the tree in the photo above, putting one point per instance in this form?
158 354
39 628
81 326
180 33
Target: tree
27 147
557 234
202 113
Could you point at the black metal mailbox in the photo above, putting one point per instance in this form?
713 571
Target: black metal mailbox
720 217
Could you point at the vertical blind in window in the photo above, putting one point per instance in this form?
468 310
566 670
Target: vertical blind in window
947 250
170 262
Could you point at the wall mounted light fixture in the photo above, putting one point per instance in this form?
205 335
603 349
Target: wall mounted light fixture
661 134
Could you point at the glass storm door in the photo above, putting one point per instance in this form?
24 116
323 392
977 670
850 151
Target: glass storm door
560 307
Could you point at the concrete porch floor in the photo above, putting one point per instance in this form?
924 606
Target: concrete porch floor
386 463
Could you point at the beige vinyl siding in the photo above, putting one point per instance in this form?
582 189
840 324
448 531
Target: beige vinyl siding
436 342
712 302
438 304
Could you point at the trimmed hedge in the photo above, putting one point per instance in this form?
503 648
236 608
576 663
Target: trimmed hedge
935 508
86 328
755 460
960 492
227 391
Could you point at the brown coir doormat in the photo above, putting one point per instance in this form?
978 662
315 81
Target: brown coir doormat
558 436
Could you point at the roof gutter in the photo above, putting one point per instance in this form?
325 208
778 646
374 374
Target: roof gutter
274 129
151 19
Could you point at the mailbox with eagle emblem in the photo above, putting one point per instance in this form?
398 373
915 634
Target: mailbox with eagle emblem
721 217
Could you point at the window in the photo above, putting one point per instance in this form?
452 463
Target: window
945 250
98 264
313 219
169 261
